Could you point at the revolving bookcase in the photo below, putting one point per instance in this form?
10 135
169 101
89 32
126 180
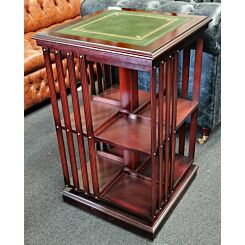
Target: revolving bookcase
133 173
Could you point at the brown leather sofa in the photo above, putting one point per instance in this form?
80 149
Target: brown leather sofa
39 15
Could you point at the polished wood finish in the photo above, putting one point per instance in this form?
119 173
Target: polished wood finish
127 220
112 95
89 124
173 124
184 109
48 64
78 121
65 108
136 199
128 89
197 69
160 135
195 96
184 94
132 173
125 131
166 41
129 98
181 163
108 169
167 129
91 78
153 142
100 112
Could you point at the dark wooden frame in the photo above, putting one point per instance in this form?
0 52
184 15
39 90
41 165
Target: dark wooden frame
150 164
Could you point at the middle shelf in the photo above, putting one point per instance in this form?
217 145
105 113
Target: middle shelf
127 130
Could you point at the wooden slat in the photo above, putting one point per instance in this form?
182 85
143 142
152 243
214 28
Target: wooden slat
153 140
66 114
89 125
111 75
106 76
197 70
78 121
160 134
167 128
91 78
184 94
55 108
185 72
174 116
99 77
196 94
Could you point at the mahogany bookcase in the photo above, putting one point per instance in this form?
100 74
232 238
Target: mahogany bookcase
134 173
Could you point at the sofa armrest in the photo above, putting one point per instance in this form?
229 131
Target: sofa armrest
91 6
213 33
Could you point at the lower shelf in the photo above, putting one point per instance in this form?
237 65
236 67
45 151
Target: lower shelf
107 170
126 190
126 220
132 194
182 163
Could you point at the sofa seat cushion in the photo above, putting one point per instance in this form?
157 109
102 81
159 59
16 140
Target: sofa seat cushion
33 56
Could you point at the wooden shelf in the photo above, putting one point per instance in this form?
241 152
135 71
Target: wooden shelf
103 107
182 164
100 113
132 194
184 109
132 133
107 169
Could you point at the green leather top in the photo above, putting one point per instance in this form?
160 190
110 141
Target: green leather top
129 27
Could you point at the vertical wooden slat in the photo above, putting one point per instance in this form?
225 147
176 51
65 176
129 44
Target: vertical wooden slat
106 76
78 122
89 125
195 96
167 127
165 77
160 134
55 108
174 114
193 132
99 77
185 72
197 70
184 94
111 75
153 139
65 108
91 78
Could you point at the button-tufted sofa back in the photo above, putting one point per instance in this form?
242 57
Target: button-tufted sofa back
44 13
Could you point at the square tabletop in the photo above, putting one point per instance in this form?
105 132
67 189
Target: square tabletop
130 27
126 31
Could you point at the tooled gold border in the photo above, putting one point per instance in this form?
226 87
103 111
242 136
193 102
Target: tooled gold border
127 37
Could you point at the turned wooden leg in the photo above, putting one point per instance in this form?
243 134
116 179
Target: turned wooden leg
205 135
